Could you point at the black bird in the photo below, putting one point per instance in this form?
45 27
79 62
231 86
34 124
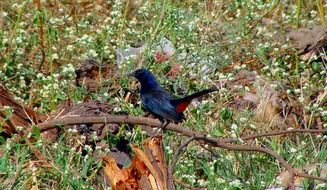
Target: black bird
159 102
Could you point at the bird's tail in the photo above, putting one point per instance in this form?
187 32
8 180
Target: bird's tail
182 103
198 94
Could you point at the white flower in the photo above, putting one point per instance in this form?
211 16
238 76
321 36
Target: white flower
95 136
19 40
92 53
39 143
7 108
39 75
70 48
98 148
292 150
54 56
19 128
233 135
55 145
321 185
83 137
88 148
297 90
298 157
8 144
202 182
221 180
253 126
233 126
315 105
235 183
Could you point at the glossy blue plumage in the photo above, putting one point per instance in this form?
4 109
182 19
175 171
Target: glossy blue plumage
158 101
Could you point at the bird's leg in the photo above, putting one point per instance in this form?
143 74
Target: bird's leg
162 127
147 114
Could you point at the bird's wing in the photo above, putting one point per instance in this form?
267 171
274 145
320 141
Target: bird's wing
180 105
158 102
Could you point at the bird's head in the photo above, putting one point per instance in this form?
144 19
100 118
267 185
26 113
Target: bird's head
145 77
140 74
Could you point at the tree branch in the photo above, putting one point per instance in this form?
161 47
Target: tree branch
274 133
178 152
221 143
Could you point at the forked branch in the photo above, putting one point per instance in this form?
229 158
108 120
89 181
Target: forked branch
221 143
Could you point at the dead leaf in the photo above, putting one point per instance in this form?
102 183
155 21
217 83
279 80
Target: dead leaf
268 107
251 98
118 178
21 116
50 135
154 149
309 41
165 50
90 74
91 108
243 78
147 171
284 179
271 106
127 53
127 179
174 70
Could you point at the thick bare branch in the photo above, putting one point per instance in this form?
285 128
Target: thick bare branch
221 143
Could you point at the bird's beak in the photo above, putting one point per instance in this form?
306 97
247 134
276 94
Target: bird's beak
132 74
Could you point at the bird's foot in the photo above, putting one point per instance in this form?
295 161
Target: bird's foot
161 128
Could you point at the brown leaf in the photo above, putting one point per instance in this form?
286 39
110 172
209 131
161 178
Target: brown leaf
165 50
119 179
252 98
284 177
21 116
90 72
50 135
267 107
150 166
154 150
83 109
91 108
128 178
145 171
243 78
271 106
309 41
175 69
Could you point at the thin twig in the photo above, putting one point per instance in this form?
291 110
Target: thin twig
274 133
41 41
178 152
263 16
180 182
309 176
35 151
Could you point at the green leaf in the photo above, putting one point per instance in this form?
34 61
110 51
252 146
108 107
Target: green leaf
36 132
226 114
